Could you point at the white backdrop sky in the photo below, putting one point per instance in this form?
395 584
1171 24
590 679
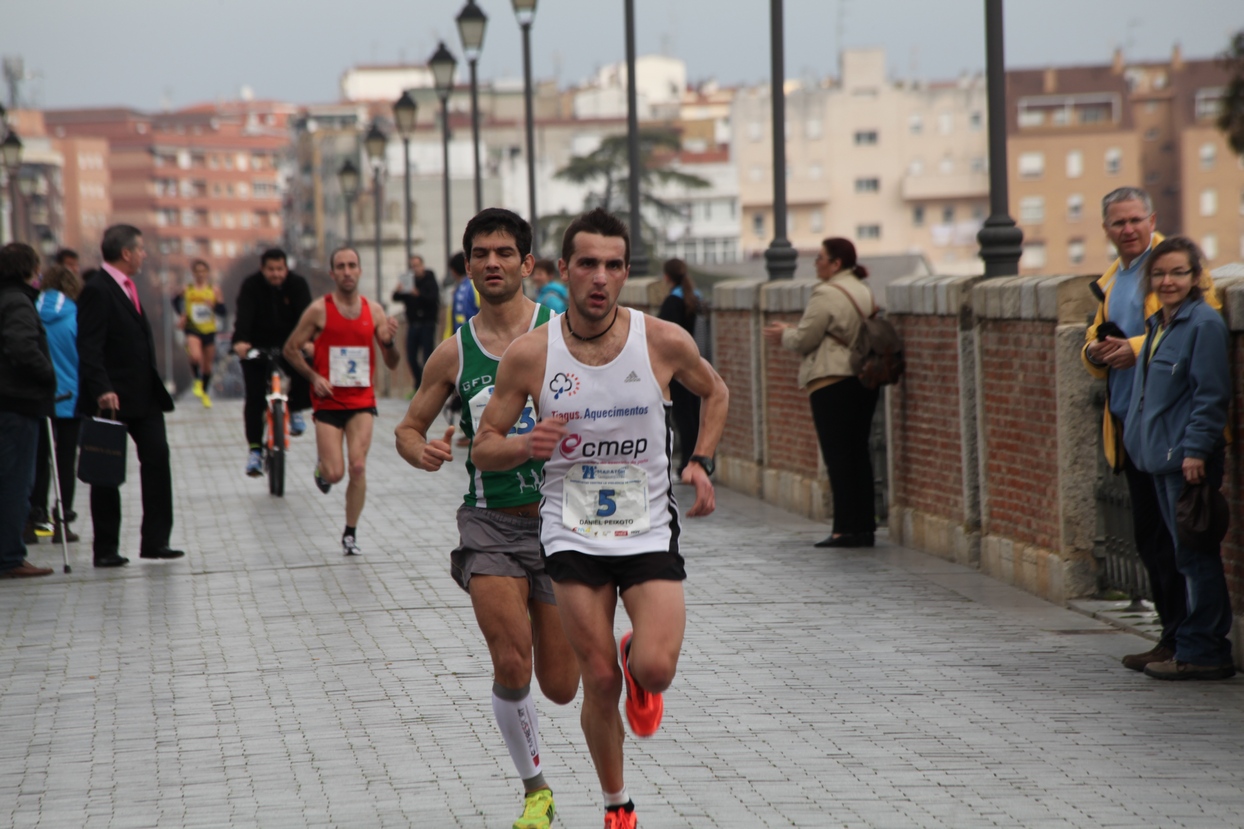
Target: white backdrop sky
148 53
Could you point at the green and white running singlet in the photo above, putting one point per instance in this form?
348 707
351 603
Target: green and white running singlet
477 371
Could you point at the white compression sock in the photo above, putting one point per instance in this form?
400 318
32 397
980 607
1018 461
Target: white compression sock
516 717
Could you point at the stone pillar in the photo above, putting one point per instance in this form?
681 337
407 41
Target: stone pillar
1231 290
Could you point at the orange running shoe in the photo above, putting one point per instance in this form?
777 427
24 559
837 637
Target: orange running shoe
643 708
621 818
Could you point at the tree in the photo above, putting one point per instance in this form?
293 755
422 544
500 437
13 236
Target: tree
1231 119
606 170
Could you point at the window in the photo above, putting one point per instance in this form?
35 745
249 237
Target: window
758 224
243 161
978 164
1033 256
865 138
1094 115
1031 165
868 231
816 221
916 167
945 123
756 173
1075 164
1209 202
1075 207
947 165
916 124
1209 246
243 189
1114 161
812 129
756 130
1031 117
1032 209
1209 102
948 214
231 248
976 121
1075 251
1152 134
1209 154
917 215
867 185
710 250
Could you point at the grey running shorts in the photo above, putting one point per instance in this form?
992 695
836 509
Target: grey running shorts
493 543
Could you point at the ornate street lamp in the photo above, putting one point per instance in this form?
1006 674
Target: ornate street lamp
471 24
47 244
404 113
639 253
11 155
526 12
348 177
375 143
780 256
1000 240
443 64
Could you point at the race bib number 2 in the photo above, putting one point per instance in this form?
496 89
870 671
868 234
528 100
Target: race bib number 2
606 500
349 366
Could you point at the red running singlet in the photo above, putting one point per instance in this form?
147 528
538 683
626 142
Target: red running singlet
344 354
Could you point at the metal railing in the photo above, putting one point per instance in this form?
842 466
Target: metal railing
1119 567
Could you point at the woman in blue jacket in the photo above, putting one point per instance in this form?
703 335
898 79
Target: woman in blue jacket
59 312
1175 431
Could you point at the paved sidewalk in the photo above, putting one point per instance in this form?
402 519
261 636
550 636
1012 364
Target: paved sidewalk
267 681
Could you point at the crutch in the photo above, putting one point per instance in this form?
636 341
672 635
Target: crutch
59 511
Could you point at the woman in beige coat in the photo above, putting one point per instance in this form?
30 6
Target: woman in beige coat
842 408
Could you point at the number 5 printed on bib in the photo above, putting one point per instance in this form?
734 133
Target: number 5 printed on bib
605 500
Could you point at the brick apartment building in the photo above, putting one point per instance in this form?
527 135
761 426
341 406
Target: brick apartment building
1076 133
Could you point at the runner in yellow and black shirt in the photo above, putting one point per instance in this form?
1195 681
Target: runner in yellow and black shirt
199 304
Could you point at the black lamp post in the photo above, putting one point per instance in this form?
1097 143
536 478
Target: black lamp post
443 64
639 253
1000 240
471 24
375 142
404 112
781 256
348 176
526 12
11 154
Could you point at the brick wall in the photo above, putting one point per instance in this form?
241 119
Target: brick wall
790 439
732 357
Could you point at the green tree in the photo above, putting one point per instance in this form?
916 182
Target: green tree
1231 120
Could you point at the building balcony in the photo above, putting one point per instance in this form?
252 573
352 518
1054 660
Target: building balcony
954 186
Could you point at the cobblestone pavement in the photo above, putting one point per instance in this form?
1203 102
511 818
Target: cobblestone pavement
267 681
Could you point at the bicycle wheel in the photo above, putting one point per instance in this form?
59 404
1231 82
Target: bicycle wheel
276 453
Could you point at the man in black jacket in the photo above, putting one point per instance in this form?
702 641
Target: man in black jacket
419 291
27 387
118 376
270 303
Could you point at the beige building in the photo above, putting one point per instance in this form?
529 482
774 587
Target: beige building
895 166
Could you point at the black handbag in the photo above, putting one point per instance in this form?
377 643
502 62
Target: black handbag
101 452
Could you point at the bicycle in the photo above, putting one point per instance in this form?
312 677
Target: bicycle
276 422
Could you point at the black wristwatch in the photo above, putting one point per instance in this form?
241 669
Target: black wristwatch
705 462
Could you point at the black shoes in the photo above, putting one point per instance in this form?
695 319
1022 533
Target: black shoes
1138 661
162 553
847 540
110 560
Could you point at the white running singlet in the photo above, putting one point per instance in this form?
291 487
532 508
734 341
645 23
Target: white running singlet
607 486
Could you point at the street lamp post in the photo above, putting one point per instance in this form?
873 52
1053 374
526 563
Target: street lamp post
348 176
781 256
11 154
1000 240
375 143
471 24
443 64
404 112
639 254
526 12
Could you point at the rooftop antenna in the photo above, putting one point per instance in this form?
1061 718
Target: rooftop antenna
14 74
840 34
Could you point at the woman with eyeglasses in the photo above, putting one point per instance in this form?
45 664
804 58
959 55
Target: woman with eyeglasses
1175 432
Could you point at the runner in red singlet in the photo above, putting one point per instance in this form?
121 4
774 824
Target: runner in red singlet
343 325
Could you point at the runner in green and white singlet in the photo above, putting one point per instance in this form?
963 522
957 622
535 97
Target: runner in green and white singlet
498 558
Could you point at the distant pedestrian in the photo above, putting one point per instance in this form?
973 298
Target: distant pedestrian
1174 431
58 309
550 290
419 292
199 306
682 307
842 407
68 258
466 298
27 388
118 377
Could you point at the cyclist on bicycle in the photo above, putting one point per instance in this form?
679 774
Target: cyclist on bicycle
270 303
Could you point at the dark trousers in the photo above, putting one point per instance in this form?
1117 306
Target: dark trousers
256 375
19 439
1157 553
843 414
686 420
420 341
65 431
157 481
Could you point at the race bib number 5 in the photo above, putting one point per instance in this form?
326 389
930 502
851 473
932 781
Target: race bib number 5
349 366
605 500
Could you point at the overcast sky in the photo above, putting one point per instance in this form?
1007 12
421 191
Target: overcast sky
149 53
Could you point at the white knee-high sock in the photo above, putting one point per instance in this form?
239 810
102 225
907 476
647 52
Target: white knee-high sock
516 717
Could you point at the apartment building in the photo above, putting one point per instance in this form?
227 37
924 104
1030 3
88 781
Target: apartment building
1076 133
897 166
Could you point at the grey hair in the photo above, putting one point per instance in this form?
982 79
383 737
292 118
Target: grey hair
1126 194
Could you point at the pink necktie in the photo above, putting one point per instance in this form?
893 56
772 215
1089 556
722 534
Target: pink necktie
132 290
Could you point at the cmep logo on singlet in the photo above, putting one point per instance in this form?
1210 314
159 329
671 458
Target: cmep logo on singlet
564 384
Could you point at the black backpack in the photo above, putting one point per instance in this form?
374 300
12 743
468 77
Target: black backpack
877 353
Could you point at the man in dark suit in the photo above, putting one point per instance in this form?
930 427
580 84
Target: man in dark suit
118 376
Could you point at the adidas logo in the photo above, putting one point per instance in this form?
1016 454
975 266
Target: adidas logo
632 378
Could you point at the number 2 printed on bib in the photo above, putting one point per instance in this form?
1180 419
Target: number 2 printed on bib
349 366
605 500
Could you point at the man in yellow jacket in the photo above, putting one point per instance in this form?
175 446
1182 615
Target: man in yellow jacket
1111 345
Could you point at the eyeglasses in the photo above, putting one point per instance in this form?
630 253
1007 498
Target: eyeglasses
1182 273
